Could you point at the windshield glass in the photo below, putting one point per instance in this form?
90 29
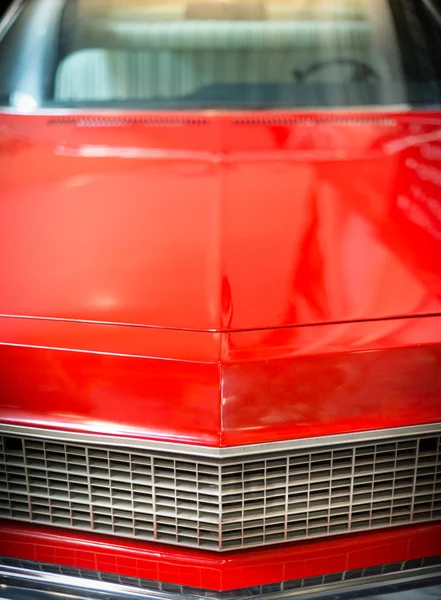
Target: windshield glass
220 54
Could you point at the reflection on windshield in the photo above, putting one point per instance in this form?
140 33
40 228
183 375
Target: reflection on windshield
233 54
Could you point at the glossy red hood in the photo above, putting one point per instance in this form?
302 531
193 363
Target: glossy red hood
220 222
205 229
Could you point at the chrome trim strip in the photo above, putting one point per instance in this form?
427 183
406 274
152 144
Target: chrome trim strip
53 582
9 17
220 112
226 453
76 350
206 331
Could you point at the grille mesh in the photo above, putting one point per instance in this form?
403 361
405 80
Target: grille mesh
221 504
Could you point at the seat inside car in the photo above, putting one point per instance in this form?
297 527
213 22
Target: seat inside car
179 49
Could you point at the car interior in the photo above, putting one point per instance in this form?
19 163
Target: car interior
131 50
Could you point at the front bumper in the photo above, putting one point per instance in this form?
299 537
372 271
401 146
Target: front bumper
411 580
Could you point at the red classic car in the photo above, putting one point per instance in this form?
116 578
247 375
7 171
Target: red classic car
220 297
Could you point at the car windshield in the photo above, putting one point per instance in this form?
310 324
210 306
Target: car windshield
220 54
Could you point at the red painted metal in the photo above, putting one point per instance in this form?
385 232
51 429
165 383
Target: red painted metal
388 376
160 399
313 381
230 282
222 226
214 572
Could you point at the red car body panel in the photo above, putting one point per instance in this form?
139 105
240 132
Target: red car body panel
220 280
229 225
388 376
211 571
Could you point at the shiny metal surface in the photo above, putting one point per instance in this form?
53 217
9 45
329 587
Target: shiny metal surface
266 389
292 225
56 435
9 17
53 579
199 568
283 267
264 227
221 504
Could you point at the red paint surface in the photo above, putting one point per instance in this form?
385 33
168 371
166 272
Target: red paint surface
166 400
222 226
214 572
244 282
388 376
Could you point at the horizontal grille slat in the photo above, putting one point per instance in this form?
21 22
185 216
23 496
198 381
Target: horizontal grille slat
221 503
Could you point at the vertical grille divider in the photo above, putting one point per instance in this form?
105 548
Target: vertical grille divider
198 509
243 502
28 485
67 475
221 502
286 498
265 489
155 525
351 493
175 492
373 485
132 498
48 479
308 498
4 501
331 478
417 454
47 476
89 486
112 494
392 497
438 450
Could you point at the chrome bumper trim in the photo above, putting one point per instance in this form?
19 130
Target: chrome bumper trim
389 434
43 578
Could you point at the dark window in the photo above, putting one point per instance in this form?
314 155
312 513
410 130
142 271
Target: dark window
229 53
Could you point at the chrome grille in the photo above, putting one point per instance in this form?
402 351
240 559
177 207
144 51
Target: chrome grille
217 503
